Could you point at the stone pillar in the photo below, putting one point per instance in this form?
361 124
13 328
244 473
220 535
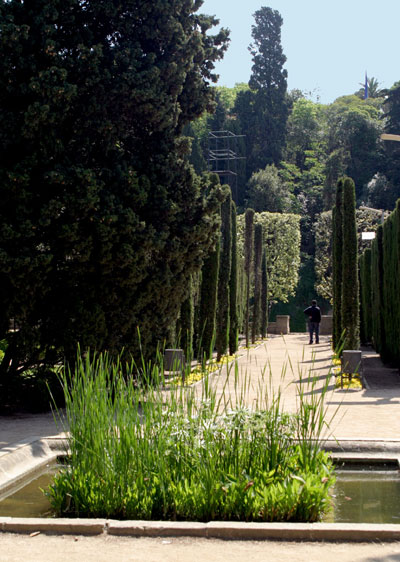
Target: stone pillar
351 361
174 360
283 324
325 328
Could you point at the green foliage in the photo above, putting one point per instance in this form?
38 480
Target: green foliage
264 295
267 192
354 128
102 220
248 257
258 253
225 263
367 219
366 297
377 296
380 275
208 304
391 287
263 110
324 235
391 168
138 454
186 322
350 311
233 287
282 242
337 264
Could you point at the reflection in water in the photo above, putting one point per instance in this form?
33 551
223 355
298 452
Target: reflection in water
366 497
29 501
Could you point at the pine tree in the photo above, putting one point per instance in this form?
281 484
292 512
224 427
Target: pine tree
233 288
222 320
104 221
248 259
350 284
258 252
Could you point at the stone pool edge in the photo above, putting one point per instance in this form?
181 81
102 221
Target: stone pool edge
358 532
30 457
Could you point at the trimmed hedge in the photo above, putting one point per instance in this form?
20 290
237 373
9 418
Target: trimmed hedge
383 306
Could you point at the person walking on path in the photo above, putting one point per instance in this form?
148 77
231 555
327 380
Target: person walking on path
314 319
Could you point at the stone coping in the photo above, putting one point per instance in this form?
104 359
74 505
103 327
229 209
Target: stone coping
25 460
356 532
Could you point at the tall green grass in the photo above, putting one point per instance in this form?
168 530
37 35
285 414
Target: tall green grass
138 451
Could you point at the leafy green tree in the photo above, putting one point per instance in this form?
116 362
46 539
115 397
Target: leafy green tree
268 192
102 220
350 312
225 262
354 128
391 149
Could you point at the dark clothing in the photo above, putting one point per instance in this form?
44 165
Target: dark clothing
314 318
313 327
314 313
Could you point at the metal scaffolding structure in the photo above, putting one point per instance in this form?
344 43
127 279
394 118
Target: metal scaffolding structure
223 157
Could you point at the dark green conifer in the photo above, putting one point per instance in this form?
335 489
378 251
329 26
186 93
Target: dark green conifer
258 252
337 244
248 260
222 319
103 221
233 288
208 305
186 322
264 295
350 285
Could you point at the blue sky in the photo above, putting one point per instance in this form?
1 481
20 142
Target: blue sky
329 44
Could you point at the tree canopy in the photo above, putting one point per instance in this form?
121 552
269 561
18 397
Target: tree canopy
102 220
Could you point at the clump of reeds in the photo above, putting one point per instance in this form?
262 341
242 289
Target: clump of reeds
138 451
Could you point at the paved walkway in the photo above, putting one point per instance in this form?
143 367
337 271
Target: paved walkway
289 363
283 362
372 415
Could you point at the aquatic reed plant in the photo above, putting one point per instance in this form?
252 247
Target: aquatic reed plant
139 451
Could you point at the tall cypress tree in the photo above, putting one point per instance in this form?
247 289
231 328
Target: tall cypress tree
258 252
350 284
337 227
186 324
233 288
208 305
248 258
104 220
222 319
264 110
377 298
264 295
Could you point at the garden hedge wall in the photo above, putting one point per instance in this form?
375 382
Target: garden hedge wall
381 307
